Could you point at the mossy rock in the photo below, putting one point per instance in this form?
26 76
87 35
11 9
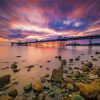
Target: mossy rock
77 97
5 98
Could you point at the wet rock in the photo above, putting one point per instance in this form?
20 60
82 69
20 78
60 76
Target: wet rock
16 70
18 56
47 68
28 87
77 58
60 58
55 56
85 68
5 98
48 61
71 60
89 64
57 75
90 91
76 67
97 52
41 66
30 66
4 80
70 86
13 93
14 66
5 68
63 63
77 97
37 86
94 59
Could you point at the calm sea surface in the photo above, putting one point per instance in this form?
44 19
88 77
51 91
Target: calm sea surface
39 57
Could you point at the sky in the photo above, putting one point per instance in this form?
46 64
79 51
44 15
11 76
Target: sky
48 19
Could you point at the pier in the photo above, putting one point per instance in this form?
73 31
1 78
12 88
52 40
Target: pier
60 41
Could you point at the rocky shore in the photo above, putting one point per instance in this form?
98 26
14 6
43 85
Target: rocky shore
65 83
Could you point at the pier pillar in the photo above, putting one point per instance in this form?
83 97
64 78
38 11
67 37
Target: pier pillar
90 41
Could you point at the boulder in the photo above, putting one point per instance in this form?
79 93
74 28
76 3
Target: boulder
77 97
4 80
57 75
13 93
90 91
5 98
63 63
28 87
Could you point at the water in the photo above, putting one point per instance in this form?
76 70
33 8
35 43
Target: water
39 57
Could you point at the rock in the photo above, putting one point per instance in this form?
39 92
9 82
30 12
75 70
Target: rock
4 80
85 68
18 56
14 66
28 87
71 60
46 76
76 74
4 68
77 58
68 80
97 52
70 86
77 97
92 76
41 66
94 59
63 63
98 97
43 79
48 61
76 68
57 75
89 64
16 70
5 98
30 66
13 93
95 71
60 58
37 86
41 96
90 91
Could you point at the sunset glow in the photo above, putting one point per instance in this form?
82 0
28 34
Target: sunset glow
48 19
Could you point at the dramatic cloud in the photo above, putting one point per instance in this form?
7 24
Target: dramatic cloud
45 19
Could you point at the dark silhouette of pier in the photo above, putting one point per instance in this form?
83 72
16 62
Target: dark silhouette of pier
60 39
